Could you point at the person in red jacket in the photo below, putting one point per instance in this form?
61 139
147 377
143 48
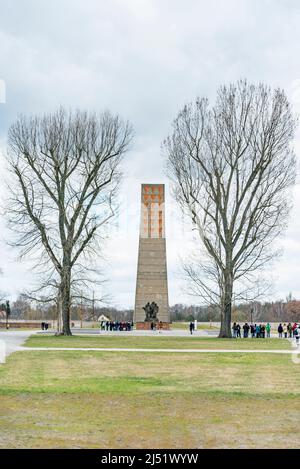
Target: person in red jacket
294 327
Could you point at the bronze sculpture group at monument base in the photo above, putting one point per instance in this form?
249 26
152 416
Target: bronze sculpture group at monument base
151 320
151 311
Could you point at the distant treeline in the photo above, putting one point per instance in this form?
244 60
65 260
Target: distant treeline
23 308
288 310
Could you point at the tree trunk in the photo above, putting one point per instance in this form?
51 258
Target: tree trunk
225 331
66 299
59 317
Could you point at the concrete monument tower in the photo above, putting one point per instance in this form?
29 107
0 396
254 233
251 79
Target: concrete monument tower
151 283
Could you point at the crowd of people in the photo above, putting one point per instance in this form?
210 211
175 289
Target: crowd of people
264 330
261 331
126 326
288 330
116 326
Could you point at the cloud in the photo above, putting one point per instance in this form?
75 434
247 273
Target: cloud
144 60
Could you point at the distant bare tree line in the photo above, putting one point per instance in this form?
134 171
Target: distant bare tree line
24 308
281 310
276 311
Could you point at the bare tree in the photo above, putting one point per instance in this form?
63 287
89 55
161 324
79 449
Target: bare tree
65 175
232 168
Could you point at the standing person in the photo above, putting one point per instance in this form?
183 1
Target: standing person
257 331
268 329
280 330
294 327
290 330
160 326
234 330
284 330
238 330
192 327
152 326
297 337
246 330
252 330
262 331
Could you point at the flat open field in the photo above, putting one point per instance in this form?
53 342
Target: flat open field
155 341
77 399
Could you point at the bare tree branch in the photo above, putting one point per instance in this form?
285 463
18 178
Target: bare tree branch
65 174
232 167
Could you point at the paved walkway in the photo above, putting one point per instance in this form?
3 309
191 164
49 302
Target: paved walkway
12 341
154 350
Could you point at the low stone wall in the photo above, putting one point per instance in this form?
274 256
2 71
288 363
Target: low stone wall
146 326
25 325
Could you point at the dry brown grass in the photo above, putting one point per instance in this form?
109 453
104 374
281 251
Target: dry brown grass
106 400
180 421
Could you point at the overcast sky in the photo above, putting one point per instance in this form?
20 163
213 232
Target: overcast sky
144 59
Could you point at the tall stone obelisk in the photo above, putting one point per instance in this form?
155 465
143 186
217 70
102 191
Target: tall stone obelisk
152 283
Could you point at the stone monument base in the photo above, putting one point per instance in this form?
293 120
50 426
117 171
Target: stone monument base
146 326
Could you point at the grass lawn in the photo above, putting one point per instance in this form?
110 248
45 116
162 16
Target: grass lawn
155 341
186 325
99 399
